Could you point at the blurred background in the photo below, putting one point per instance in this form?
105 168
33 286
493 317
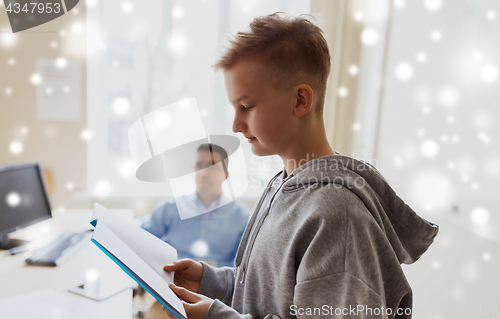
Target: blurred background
413 89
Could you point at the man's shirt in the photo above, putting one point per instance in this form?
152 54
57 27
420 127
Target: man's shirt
210 236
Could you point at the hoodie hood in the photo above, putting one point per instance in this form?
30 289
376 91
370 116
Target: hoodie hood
409 234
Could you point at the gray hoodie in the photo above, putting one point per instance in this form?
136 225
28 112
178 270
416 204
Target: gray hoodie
326 241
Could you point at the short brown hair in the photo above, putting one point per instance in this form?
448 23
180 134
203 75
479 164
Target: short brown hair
291 49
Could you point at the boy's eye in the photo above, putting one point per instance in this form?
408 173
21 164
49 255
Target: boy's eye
247 107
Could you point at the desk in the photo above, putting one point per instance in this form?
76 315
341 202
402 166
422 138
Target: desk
16 277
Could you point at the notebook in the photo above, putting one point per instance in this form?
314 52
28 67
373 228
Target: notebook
140 254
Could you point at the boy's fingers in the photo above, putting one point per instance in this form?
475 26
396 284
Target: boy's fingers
184 294
189 308
178 265
170 267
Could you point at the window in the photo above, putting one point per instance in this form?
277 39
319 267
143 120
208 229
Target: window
143 55
438 139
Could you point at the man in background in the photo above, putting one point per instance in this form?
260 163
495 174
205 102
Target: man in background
213 234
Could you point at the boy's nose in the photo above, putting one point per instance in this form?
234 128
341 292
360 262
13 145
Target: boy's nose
238 125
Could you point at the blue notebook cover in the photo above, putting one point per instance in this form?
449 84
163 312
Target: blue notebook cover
132 256
139 280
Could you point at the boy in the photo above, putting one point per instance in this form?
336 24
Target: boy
327 237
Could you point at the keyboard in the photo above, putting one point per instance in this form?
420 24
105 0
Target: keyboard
59 250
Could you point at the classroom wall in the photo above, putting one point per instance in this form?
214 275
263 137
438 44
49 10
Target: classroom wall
55 144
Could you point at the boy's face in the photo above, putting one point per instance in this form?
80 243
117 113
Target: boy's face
268 123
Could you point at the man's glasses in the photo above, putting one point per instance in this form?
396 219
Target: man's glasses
215 168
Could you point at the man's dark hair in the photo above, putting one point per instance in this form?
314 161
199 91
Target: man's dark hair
210 147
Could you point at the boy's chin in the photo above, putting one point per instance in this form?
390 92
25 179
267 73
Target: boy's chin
260 151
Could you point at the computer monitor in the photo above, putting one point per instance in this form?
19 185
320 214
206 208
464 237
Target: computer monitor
23 200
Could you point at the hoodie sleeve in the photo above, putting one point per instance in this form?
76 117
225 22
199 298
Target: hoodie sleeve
340 296
217 283
351 297
219 310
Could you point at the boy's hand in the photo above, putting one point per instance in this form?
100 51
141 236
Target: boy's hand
187 273
196 305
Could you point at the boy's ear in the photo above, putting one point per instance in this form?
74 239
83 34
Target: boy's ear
304 94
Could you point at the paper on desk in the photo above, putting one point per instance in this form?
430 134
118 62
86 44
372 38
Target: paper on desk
46 304
154 251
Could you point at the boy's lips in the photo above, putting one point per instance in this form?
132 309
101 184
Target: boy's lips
250 139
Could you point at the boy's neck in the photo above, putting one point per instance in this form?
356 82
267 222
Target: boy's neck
307 147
